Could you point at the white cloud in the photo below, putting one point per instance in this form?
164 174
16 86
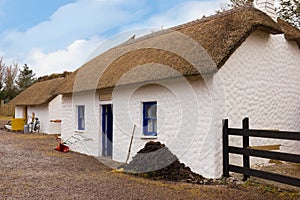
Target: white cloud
184 12
61 60
80 20
181 13
64 41
76 54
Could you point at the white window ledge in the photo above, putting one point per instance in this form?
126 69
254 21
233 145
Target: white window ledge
149 137
79 131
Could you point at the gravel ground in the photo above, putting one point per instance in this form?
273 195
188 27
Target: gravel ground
31 169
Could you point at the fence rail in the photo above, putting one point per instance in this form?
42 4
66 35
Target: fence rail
6 110
245 132
265 134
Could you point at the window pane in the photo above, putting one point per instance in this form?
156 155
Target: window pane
149 118
155 125
149 127
148 112
80 110
81 123
153 111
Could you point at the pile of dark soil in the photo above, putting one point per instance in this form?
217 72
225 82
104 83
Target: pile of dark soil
157 162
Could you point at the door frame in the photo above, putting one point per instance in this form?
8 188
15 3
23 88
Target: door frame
107 130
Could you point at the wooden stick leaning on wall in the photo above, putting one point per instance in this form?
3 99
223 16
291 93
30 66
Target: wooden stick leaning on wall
129 150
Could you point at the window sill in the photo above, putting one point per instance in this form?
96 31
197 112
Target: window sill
149 137
79 131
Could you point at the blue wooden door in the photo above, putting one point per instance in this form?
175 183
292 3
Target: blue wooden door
107 130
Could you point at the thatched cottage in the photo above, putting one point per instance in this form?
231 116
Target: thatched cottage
42 99
176 86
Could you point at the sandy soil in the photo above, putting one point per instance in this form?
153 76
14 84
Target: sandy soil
30 168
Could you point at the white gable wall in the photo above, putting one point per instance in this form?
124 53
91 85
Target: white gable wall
261 81
55 110
19 111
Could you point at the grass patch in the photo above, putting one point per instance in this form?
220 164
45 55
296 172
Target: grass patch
6 118
272 189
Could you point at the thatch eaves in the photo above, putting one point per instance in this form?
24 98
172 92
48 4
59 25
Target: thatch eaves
223 33
178 48
38 93
290 32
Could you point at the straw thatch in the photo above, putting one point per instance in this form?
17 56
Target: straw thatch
38 93
198 47
290 32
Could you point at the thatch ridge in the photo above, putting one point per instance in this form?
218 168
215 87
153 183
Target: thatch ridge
38 93
220 35
223 33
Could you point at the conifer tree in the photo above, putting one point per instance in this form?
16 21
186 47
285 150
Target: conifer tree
25 78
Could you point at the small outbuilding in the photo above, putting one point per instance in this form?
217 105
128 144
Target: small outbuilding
41 101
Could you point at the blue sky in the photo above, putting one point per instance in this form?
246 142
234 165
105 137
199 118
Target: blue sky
52 36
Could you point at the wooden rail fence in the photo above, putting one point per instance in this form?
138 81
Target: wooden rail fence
6 110
245 132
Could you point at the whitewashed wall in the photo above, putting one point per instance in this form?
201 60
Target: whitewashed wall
184 121
55 113
262 82
41 112
86 141
19 111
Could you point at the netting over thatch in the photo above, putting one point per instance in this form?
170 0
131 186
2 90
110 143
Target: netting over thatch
201 46
38 93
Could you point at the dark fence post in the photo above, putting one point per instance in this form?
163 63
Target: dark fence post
246 133
225 149
246 159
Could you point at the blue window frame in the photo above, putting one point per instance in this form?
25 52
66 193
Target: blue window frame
150 118
80 112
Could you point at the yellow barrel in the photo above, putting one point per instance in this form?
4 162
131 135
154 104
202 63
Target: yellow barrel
17 124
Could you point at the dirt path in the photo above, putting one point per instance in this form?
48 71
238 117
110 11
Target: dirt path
31 169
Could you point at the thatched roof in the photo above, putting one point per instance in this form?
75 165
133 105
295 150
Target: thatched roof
38 93
201 46
290 32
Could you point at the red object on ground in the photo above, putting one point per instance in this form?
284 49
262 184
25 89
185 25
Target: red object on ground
62 148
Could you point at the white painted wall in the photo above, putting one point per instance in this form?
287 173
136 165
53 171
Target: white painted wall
185 114
41 112
55 113
86 141
262 82
19 111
